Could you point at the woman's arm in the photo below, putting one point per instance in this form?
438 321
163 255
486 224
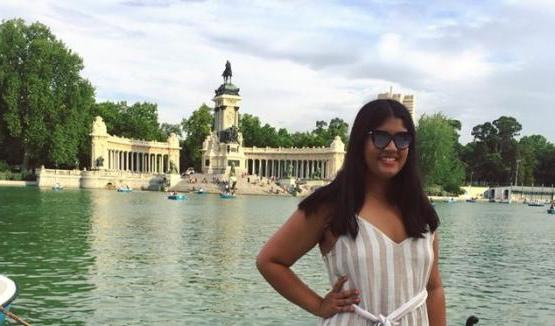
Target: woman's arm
436 296
294 239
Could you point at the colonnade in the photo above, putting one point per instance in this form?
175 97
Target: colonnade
303 169
138 162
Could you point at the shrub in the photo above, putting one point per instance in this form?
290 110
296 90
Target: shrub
4 166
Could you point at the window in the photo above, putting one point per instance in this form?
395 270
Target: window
207 163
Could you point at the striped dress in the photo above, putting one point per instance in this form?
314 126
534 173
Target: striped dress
387 274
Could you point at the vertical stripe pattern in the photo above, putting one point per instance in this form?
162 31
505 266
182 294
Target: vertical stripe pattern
386 273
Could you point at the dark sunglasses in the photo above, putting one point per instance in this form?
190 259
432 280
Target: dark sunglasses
381 139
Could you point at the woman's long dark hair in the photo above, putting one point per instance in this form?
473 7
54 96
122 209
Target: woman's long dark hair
344 196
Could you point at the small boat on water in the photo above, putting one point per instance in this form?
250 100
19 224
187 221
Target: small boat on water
471 200
57 187
551 211
8 292
177 197
201 191
226 195
125 189
536 204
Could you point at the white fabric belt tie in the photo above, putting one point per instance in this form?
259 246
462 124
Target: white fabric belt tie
393 318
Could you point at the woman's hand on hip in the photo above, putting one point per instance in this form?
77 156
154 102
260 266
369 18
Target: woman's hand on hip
337 300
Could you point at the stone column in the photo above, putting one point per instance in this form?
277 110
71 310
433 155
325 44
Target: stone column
156 165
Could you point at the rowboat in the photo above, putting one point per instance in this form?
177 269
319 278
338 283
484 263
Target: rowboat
226 195
177 197
8 292
57 187
125 189
536 204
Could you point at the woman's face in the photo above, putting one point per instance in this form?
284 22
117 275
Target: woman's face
385 163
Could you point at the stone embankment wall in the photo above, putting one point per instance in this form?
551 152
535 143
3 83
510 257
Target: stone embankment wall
103 179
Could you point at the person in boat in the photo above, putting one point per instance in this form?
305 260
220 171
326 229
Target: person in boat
375 228
174 193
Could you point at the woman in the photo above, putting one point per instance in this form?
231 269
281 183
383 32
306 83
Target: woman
375 228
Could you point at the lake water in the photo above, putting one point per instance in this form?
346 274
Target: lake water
96 257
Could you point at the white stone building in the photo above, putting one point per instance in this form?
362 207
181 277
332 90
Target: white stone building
223 148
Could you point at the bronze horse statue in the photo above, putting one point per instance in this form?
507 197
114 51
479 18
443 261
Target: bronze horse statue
227 72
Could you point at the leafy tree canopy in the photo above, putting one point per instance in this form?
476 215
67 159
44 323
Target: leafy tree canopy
44 102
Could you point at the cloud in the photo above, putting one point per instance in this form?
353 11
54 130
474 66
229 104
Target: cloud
298 62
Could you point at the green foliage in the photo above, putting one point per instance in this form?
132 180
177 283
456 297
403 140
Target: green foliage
545 169
4 166
493 155
440 165
195 129
256 135
44 102
167 128
536 161
139 121
17 176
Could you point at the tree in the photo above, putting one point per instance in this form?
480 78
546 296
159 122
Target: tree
493 155
167 128
536 156
44 102
139 121
436 139
338 127
195 129
249 126
545 173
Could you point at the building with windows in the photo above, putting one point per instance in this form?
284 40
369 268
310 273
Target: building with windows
406 100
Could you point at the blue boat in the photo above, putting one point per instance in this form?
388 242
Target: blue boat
226 195
125 189
551 211
177 197
8 292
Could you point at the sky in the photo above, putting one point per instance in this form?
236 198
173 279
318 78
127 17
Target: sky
297 62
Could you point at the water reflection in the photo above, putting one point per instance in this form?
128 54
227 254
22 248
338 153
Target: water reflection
45 249
102 257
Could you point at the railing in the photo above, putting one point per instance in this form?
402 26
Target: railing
107 173
289 150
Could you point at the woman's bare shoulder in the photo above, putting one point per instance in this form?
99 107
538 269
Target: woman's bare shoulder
322 217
